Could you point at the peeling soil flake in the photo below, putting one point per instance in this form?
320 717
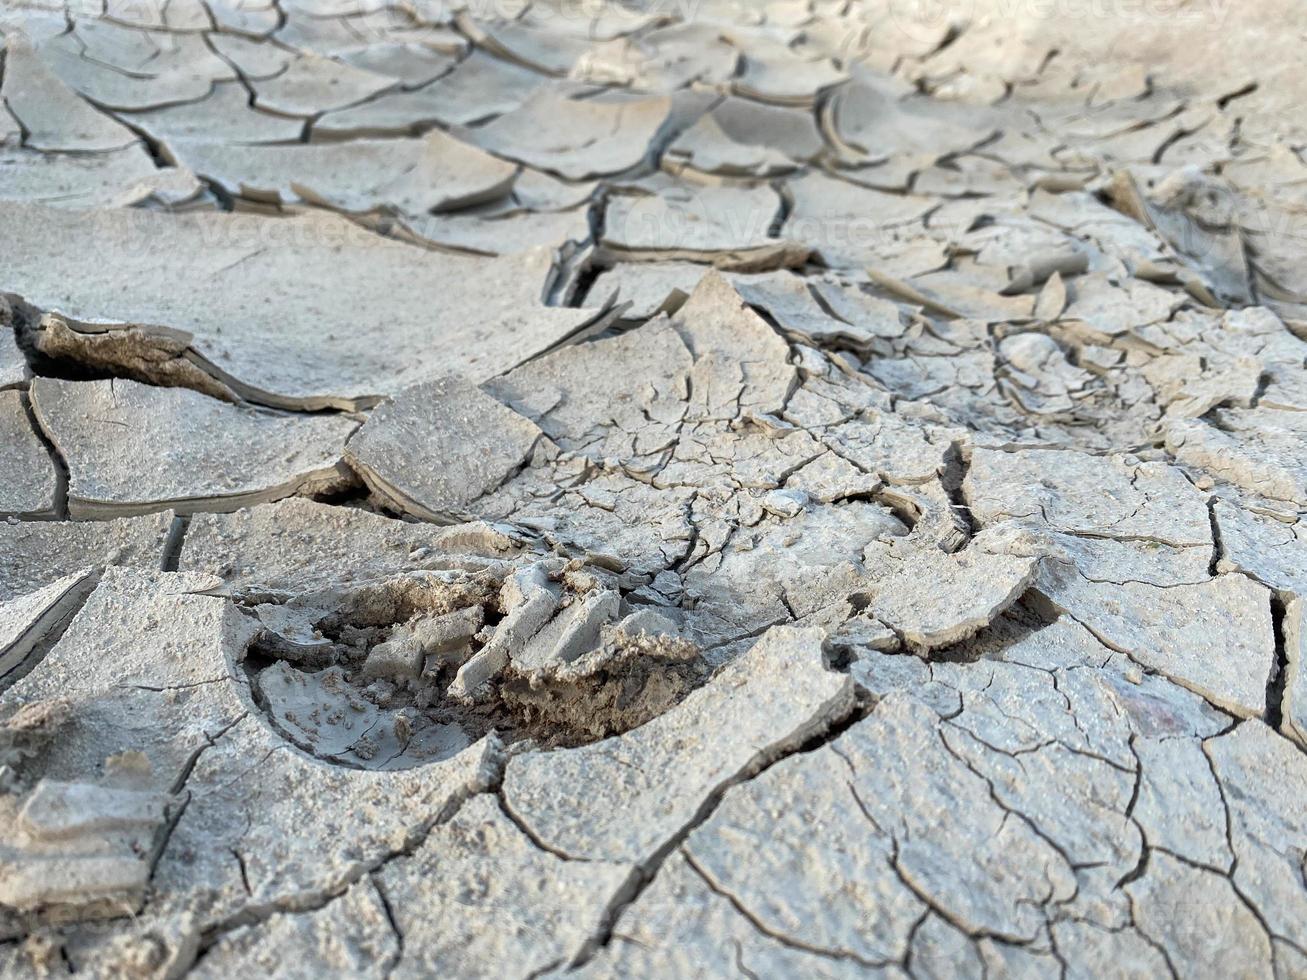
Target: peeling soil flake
794 488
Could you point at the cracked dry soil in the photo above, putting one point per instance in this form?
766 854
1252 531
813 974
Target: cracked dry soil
797 488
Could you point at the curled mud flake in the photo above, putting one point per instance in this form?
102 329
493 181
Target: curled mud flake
874 117
541 50
665 59
116 178
498 228
773 72
738 137
148 354
729 227
435 173
184 77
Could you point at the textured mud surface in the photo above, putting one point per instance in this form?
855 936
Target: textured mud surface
807 488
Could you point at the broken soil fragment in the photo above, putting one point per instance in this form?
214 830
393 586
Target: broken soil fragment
470 444
971 593
26 620
399 672
208 455
83 850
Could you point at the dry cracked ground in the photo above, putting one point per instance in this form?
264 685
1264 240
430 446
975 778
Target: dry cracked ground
803 488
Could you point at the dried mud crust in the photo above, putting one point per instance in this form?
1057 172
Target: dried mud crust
770 489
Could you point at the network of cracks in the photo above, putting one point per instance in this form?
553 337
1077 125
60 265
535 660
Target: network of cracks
718 489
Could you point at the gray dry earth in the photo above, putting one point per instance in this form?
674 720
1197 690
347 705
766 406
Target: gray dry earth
803 488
